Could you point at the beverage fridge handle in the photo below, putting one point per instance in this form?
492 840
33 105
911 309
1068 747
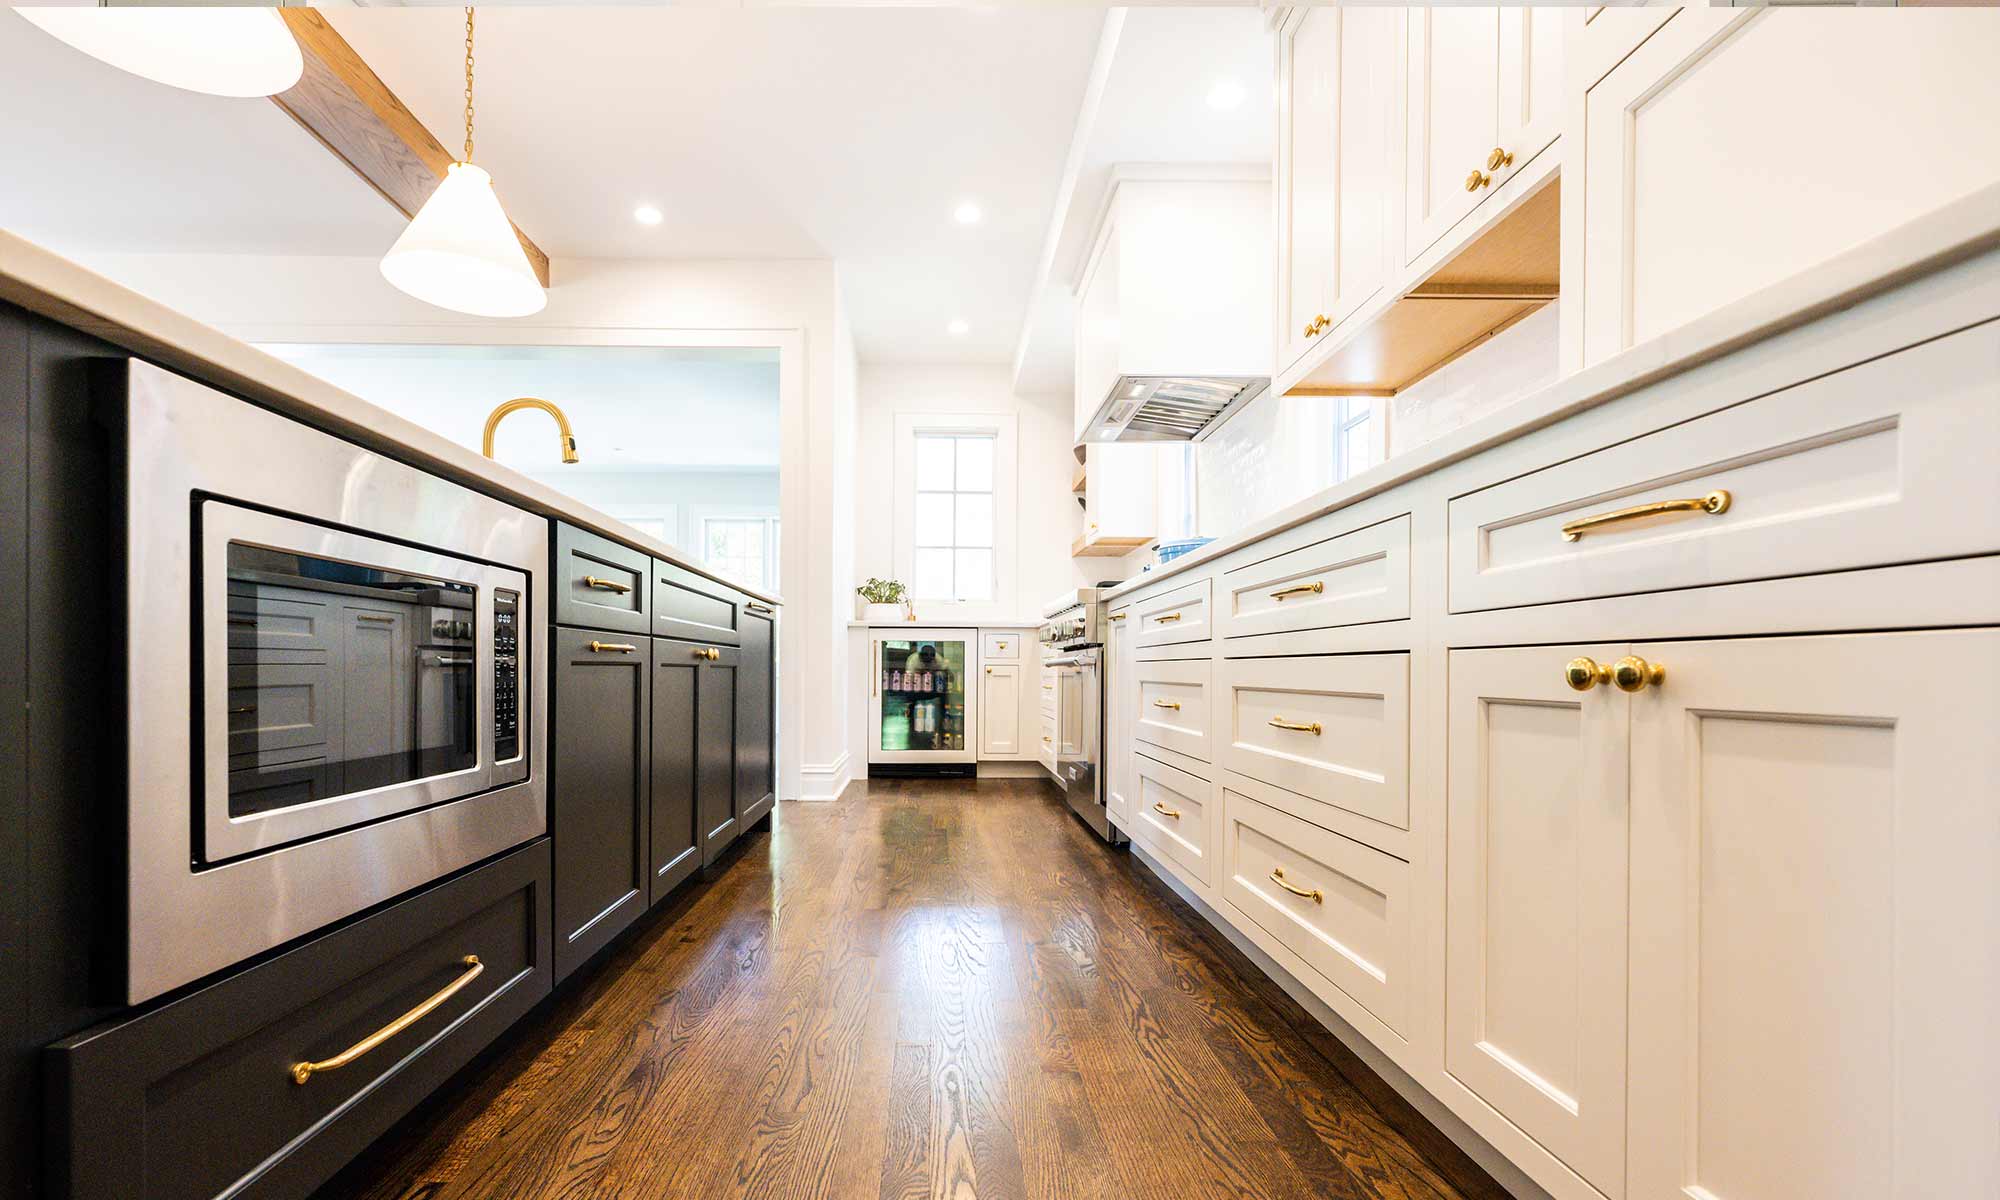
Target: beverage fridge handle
875 667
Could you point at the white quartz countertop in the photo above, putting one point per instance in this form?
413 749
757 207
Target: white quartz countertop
920 623
44 282
1959 231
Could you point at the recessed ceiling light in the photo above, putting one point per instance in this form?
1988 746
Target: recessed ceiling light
1225 95
958 327
967 213
646 214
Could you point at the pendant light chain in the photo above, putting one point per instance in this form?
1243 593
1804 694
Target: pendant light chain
468 83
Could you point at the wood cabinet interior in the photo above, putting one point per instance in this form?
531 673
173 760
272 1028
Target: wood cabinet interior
1106 547
1505 274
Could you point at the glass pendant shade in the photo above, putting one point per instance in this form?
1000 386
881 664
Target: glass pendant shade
218 51
460 253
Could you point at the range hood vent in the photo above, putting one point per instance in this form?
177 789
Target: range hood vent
1171 408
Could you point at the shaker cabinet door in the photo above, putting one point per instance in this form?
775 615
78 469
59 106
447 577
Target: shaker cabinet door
756 723
676 840
1454 82
1812 995
715 737
1000 711
600 751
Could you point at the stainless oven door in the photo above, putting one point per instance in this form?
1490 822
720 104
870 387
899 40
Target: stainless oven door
1079 736
323 707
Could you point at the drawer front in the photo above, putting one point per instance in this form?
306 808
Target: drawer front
1173 618
1333 728
1351 925
1048 693
205 1087
600 584
1174 706
1887 462
1001 647
1352 579
1045 748
1173 809
687 605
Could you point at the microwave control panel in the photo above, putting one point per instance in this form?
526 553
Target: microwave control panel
506 675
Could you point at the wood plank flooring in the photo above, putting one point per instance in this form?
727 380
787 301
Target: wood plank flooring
928 989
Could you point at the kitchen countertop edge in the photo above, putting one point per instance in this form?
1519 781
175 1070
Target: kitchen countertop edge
1957 232
44 282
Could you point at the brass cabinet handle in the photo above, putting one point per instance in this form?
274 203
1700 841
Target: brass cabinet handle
875 657
1164 811
306 1070
379 617
606 585
1714 504
1294 726
610 647
1499 158
1632 674
1475 181
1173 704
1118 616
1278 877
1304 589
1582 674
1317 324
1163 618
1045 740
755 607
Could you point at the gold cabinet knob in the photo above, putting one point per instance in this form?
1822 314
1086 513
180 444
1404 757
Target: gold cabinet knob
1582 674
1632 674
1475 181
1499 158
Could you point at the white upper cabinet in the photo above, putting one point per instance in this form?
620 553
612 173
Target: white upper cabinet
1733 149
1338 75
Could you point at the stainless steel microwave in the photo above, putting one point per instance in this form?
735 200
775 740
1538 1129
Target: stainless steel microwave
333 692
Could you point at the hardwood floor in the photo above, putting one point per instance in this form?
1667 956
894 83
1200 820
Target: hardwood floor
928 989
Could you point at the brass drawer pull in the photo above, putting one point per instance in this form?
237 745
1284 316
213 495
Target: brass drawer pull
1294 726
1164 811
1499 158
1173 704
1118 616
306 1070
755 607
1475 181
609 647
1583 673
1304 589
1163 618
1278 877
1714 504
606 585
1046 741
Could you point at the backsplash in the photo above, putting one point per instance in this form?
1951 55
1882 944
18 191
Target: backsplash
1279 449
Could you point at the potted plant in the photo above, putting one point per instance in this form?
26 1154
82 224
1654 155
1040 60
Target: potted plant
883 600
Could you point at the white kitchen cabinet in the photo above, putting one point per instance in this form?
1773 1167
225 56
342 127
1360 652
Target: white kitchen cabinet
1815 937
1120 498
1535 900
1121 690
1000 711
1732 149
1484 89
1337 170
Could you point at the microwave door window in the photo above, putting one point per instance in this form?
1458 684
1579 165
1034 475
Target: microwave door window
329 689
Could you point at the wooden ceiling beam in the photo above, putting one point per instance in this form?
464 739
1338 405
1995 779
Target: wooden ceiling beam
341 101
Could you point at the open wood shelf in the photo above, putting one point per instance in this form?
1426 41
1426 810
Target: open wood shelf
1107 547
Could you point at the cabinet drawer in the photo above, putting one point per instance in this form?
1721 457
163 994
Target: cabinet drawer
1173 617
1173 812
1352 579
197 1098
1174 706
1334 729
1001 647
600 584
1353 924
1048 693
1890 461
687 605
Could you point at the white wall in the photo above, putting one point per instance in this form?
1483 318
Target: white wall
1047 519
789 304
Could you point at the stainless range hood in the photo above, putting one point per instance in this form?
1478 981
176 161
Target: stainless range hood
1170 408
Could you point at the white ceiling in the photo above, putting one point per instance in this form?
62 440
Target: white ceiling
843 133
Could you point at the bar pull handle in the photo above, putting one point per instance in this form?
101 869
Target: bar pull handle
1164 618
1714 504
1164 811
1173 704
606 585
1304 589
1294 726
875 658
306 1070
611 647
755 607
1278 877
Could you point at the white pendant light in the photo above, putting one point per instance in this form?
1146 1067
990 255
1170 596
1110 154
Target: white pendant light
219 51
460 252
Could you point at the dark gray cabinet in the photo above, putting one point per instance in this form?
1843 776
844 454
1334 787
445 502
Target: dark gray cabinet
675 800
715 752
756 715
601 584
600 765
691 606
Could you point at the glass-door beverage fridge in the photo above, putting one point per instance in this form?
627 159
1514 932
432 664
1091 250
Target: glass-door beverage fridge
920 701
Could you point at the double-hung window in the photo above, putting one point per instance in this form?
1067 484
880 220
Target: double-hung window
742 548
1354 436
952 518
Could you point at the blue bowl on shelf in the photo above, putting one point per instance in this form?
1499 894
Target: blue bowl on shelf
1169 551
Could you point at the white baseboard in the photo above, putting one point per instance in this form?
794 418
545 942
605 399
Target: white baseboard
823 784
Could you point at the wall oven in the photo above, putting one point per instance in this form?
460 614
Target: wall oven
333 695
